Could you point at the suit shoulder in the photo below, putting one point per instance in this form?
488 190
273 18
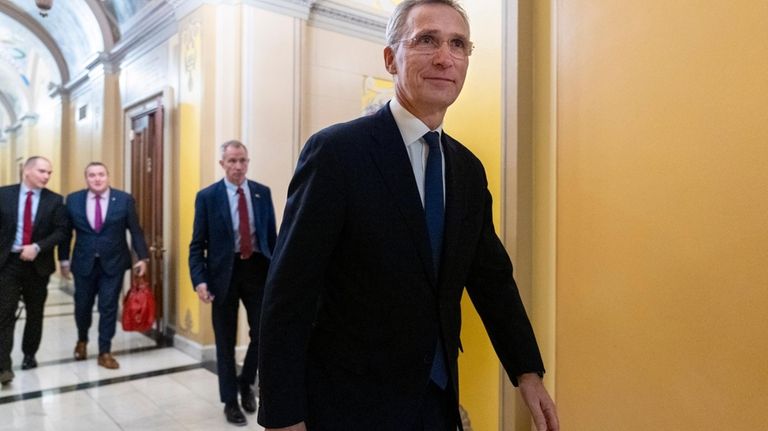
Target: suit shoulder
353 128
464 153
9 189
51 194
258 187
208 190
76 195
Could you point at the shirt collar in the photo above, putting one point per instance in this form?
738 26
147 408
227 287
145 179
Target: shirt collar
104 195
232 188
25 189
411 128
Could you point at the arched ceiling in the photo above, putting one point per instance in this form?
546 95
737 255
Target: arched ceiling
60 47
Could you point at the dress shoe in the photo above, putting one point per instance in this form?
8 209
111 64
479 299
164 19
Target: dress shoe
106 360
6 376
80 351
247 398
234 414
29 362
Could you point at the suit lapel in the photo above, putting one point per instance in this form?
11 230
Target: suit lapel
114 201
222 202
455 205
41 207
391 158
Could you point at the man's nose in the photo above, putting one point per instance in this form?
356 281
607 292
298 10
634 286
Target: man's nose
443 55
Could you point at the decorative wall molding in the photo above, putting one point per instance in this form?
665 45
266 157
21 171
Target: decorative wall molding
154 25
341 17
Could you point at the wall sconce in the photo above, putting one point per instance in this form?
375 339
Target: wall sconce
44 6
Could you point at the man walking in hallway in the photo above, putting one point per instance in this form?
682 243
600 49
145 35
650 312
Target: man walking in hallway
33 221
100 216
229 255
388 220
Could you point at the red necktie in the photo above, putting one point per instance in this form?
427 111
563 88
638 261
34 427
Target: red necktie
26 236
246 248
98 219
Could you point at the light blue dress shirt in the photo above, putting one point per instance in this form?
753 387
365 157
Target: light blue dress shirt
233 200
20 219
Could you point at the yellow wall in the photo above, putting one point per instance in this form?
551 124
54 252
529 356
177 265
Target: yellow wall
193 31
475 120
662 237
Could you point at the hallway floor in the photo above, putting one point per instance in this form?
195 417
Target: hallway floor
154 388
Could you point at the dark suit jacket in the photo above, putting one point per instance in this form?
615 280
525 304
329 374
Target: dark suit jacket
110 243
49 226
352 307
211 251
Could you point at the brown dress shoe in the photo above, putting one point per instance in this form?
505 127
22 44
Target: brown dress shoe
80 352
106 360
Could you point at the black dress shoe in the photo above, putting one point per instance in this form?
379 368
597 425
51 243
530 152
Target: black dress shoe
234 414
248 399
28 362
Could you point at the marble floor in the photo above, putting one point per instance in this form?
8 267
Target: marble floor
155 388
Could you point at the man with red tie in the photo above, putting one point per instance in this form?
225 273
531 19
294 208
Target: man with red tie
229 255
100 215
33 221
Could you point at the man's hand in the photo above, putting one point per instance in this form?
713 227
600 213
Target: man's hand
64 269
538 401
140 268
203 293
298 427
29 252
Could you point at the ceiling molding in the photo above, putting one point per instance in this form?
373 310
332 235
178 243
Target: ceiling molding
109 34
41 33
340 17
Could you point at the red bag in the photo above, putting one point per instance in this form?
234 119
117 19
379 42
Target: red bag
139 307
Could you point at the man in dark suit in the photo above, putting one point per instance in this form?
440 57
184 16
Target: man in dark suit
33 221
229 255
100 215
388 219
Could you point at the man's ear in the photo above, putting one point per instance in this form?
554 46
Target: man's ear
389 60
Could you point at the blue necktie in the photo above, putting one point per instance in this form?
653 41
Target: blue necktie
434 210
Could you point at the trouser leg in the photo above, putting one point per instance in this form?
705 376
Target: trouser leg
86 288
35 292
10 291
109 296
251 275
224 315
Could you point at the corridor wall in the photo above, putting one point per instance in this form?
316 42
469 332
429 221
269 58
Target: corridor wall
662 282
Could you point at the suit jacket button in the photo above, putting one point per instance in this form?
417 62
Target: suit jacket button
427 359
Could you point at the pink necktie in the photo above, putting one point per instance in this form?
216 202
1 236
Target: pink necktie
97 218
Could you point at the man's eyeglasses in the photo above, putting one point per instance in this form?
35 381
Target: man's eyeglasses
429 44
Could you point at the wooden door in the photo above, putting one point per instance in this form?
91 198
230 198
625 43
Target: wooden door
147 189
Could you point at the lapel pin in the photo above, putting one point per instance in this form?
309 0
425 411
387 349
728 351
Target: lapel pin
257 195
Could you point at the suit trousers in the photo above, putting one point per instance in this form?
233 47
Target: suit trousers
19 278
247 285
107 288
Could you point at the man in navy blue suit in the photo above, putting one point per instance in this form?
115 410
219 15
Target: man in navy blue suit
33 221
100 215
229 255
388 221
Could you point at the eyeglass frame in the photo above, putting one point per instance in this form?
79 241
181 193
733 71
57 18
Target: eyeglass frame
412 43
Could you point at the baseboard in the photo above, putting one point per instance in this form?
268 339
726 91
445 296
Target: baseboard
194 349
